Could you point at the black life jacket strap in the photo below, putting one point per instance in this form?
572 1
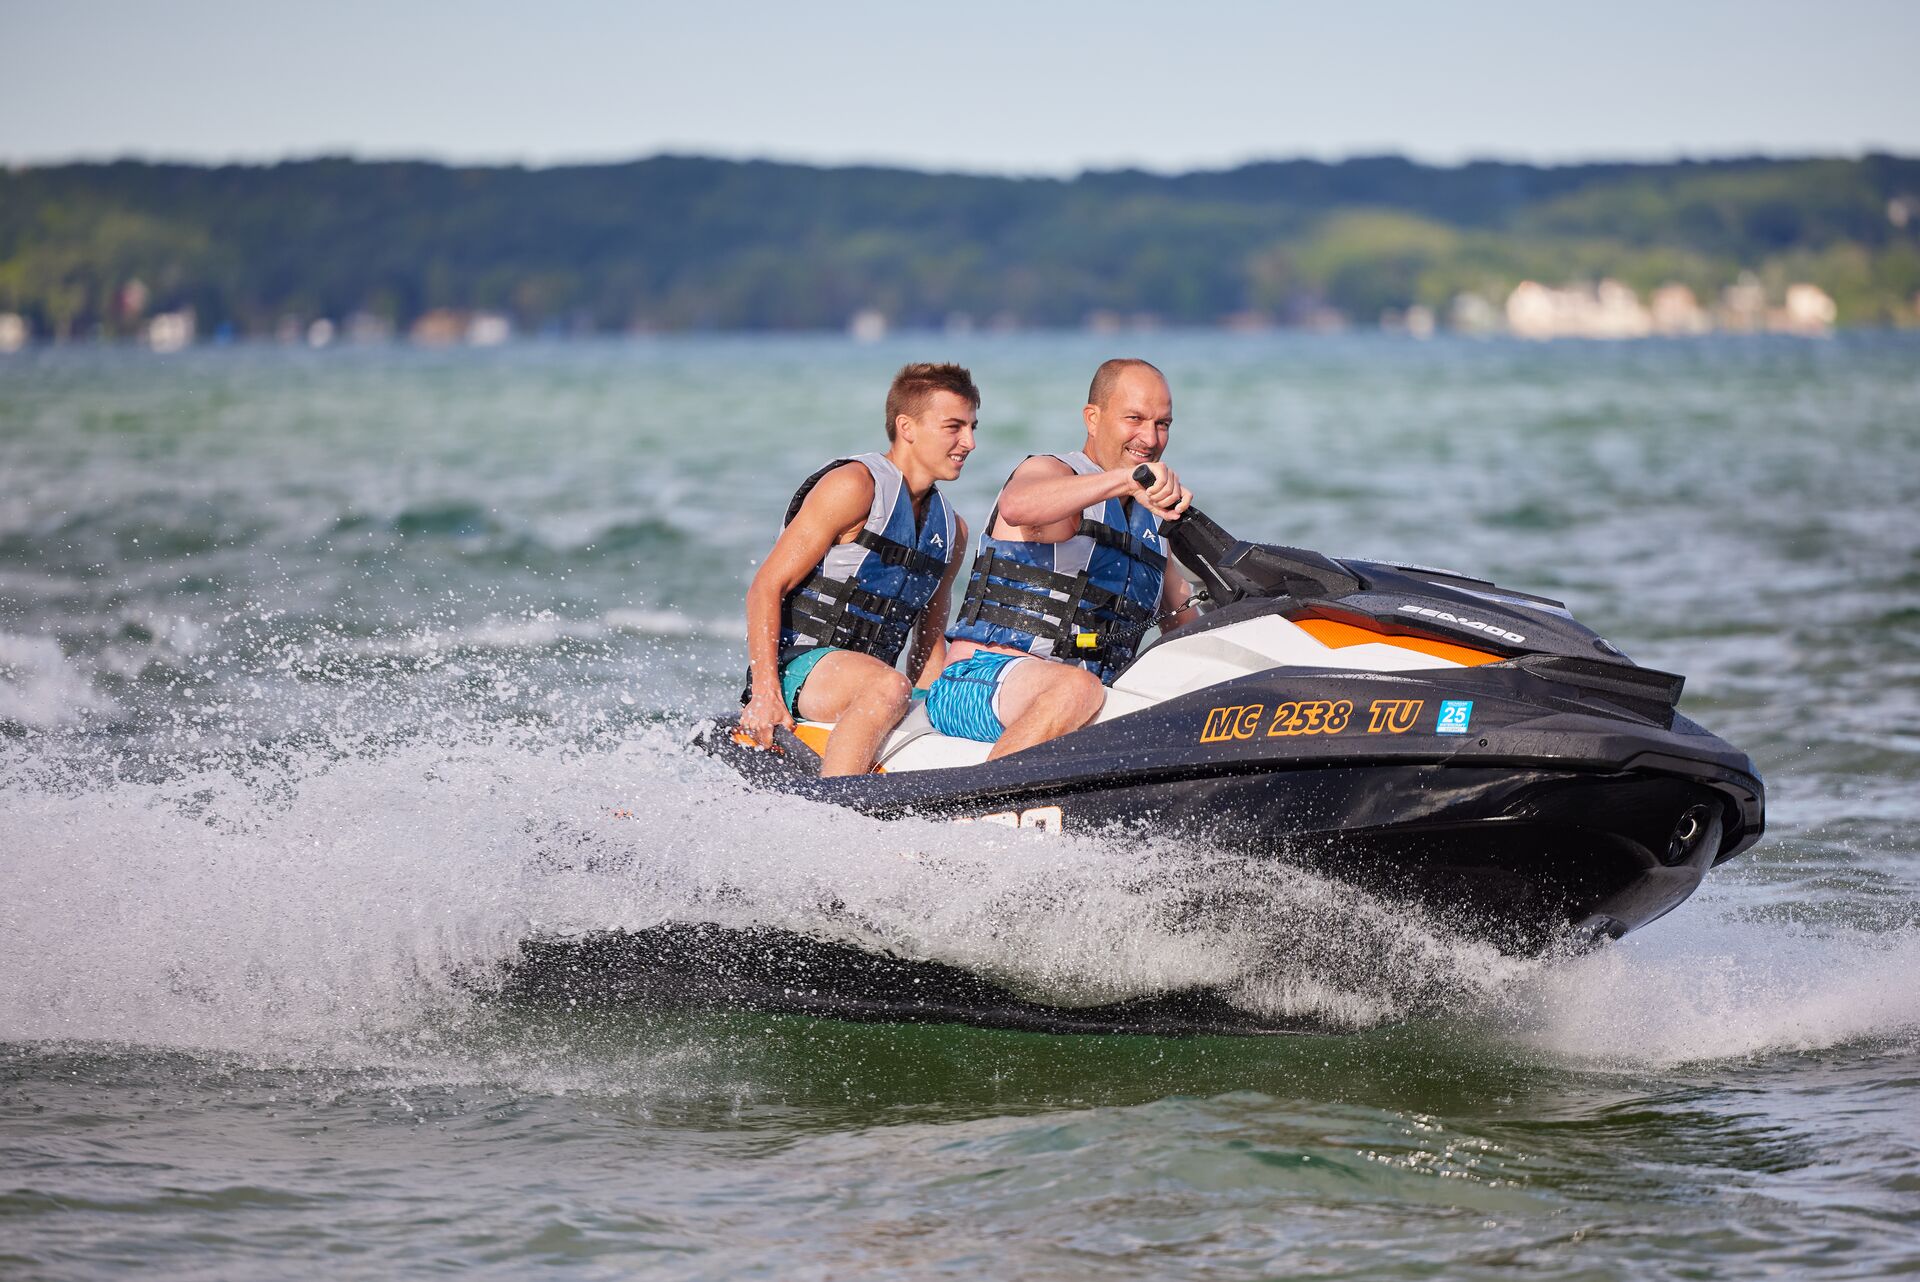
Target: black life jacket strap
899 554
1049 591
1046 603
823 608
1109 536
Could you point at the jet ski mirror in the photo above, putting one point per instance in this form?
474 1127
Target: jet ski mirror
1232 569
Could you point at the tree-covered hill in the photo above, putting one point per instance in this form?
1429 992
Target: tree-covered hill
690 243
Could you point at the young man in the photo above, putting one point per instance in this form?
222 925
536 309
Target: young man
1071 574
864 565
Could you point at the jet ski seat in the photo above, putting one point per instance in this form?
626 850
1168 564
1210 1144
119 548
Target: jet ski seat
916 745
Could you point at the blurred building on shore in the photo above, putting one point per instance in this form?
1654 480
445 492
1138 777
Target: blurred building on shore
1743 306
1416 322
14 332
443 327
1611 309
488 329
172 331
1474 314
1606 310
1809 311
1677 312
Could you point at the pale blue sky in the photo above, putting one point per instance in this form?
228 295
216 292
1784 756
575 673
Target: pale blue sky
988 85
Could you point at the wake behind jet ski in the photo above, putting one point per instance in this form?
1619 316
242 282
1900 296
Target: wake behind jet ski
1435 738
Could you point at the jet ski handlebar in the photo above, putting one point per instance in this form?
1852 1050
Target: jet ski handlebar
1231 569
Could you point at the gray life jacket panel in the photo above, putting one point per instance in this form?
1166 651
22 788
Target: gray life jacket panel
867 595
1087 599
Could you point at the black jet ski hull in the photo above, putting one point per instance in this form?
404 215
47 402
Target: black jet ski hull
1547 811
709 967
1512 856
1522 854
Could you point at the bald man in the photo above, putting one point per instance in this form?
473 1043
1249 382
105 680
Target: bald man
1071 574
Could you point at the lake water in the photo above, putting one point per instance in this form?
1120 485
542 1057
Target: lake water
308 659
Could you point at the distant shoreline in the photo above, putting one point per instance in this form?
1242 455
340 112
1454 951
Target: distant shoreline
329 249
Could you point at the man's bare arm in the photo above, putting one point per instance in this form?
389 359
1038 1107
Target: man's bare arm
1044 491
1044 495
838 504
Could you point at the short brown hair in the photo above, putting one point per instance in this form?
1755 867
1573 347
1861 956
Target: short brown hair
915 383
1109 373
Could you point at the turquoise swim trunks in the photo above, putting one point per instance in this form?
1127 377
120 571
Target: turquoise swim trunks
795 674
961 703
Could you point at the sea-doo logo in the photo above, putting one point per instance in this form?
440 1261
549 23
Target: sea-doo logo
1476 624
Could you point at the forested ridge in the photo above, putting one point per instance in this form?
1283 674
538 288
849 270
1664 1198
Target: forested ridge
677 242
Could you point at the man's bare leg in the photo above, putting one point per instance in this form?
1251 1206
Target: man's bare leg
864 698
1042 700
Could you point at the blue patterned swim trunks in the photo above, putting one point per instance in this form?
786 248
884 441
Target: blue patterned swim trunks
961 703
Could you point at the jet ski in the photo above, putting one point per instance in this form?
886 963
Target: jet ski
1434 738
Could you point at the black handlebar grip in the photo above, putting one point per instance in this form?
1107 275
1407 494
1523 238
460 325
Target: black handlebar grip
1143 475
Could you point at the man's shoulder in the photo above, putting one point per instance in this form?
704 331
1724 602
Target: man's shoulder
841 491
1039 465
846 475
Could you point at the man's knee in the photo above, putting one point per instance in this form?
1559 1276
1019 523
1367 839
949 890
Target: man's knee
847 682
1089 695
1075 693
892 690
878 690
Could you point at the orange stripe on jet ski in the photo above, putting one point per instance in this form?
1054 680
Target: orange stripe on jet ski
816 736
1337 636
813 736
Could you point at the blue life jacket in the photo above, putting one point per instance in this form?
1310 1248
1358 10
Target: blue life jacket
1085 600
868 594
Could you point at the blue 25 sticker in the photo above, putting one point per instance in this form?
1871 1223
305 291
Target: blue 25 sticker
1455 714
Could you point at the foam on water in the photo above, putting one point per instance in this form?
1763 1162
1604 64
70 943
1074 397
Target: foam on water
1710 985
319 901
335 905
40 688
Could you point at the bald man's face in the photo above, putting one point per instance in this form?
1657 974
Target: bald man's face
1132 427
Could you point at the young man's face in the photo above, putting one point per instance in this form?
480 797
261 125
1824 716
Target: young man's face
940 436
1131 428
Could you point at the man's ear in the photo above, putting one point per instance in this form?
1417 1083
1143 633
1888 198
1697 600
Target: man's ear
904 428
1091 413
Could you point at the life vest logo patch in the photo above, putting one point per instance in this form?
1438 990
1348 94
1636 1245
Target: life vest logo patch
1455 716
